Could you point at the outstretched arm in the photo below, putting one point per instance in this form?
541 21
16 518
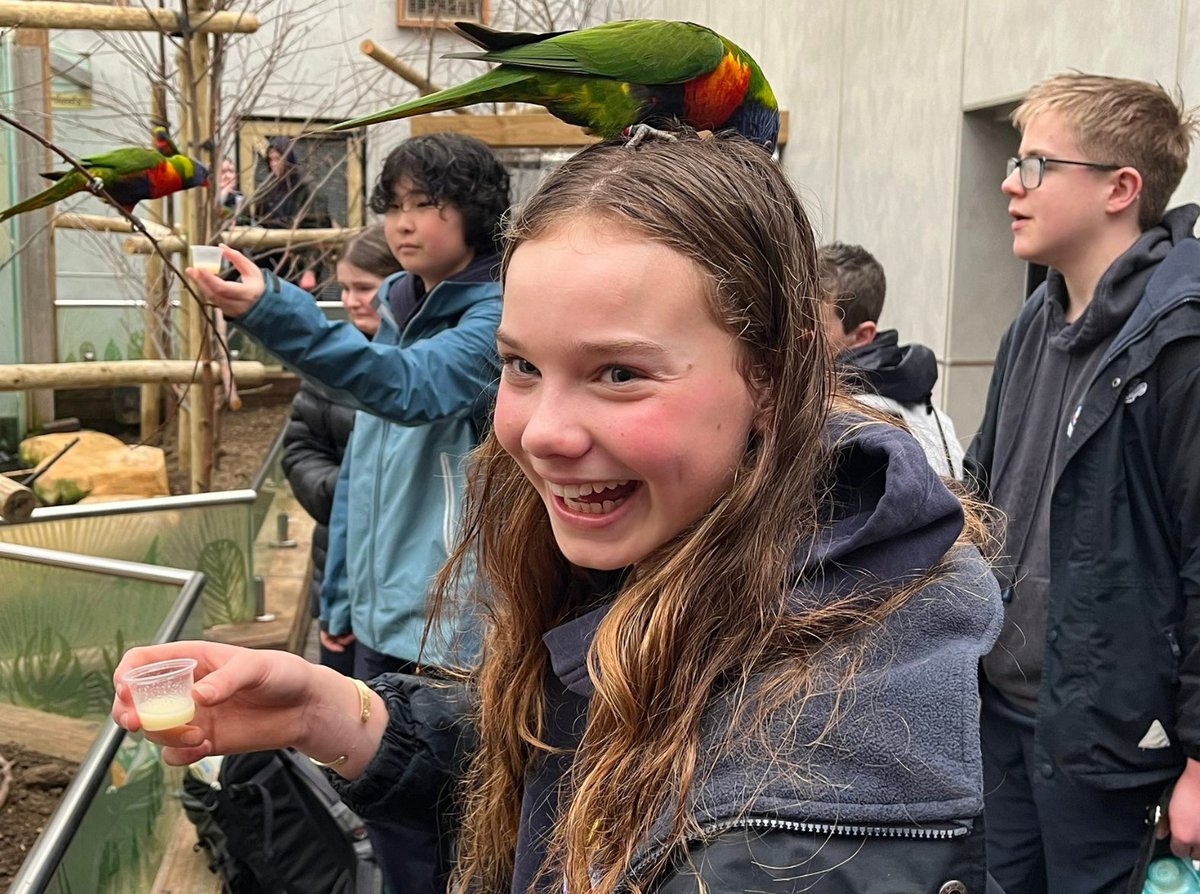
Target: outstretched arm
437 377
253 700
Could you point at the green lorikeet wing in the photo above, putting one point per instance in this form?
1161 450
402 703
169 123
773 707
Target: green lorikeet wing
584 77
638 51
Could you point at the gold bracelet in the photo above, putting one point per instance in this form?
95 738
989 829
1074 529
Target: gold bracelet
364 714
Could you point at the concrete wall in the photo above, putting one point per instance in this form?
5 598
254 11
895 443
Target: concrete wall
898 135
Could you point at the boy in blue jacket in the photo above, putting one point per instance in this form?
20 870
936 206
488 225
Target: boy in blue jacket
417 386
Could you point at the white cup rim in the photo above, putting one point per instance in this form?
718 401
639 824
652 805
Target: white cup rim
159 670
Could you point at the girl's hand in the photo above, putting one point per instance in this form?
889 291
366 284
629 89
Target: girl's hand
246 699
233 298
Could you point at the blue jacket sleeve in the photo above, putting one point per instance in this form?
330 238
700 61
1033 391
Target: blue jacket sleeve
335 588
437 377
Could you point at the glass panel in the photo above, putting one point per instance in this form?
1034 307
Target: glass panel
213 537
62 631
124 834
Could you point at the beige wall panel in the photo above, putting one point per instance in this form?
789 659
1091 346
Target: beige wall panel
801 53
966 392
898 153
1011 44
1189 82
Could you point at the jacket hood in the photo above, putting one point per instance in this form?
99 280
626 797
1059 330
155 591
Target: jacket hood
401 296
1120 290
890 519
901 373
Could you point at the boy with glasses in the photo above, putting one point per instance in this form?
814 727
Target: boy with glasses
1090 445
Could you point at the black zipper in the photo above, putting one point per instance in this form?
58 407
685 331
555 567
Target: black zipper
944 832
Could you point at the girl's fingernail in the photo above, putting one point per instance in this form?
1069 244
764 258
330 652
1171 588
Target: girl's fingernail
192 738
204 691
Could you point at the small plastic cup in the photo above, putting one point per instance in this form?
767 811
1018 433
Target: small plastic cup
205 257
162 693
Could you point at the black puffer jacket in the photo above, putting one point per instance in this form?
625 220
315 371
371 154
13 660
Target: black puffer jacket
313 447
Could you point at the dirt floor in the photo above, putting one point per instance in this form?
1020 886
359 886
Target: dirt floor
245 436
37 783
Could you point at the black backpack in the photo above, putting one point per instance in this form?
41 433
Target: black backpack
272 824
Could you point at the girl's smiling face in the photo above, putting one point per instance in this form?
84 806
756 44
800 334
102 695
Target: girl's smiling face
621 396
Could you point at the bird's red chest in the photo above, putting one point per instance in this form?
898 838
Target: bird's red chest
164 180
710 99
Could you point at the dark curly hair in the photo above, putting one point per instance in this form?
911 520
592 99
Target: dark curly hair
452 168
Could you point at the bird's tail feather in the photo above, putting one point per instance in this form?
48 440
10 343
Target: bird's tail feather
490 39
59 190
487 87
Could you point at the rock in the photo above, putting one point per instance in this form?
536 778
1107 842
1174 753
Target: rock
99 466
45 776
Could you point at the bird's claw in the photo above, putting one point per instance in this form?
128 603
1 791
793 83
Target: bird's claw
635 133
96 185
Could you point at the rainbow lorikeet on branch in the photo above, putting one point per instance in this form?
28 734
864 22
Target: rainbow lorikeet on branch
130 175
612 77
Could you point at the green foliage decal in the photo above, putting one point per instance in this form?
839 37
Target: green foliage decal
136 348
225 586
47 675
111 351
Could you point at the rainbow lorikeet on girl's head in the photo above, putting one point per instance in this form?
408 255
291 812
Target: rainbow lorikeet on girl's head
614 76
129 176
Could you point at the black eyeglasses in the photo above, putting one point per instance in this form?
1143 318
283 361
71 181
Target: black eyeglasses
1033 168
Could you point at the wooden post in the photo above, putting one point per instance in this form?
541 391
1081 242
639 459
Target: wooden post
36 291
196 128
17 502
158 294
396 64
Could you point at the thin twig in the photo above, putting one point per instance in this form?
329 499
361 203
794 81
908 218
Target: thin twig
5 779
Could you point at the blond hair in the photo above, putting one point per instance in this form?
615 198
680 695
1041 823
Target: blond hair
1121 121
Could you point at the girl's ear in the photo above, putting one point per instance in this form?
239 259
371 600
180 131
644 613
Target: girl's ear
760 393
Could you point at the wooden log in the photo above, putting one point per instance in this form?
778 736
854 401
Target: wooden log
95 17
72 221
536 129
17 502
53 734
396 64
250 238
23 376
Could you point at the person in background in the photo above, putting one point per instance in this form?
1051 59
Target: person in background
1090 446
421 386
228 196
287 200
732 625
891 378
317 432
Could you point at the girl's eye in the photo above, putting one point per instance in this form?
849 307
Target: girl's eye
619 375
518 366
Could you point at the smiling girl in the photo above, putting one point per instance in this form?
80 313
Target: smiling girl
731 627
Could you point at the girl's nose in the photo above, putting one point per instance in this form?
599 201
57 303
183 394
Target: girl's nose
553 428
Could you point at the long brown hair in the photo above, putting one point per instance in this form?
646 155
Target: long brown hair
706 610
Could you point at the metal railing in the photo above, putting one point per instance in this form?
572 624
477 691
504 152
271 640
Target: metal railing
47 852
